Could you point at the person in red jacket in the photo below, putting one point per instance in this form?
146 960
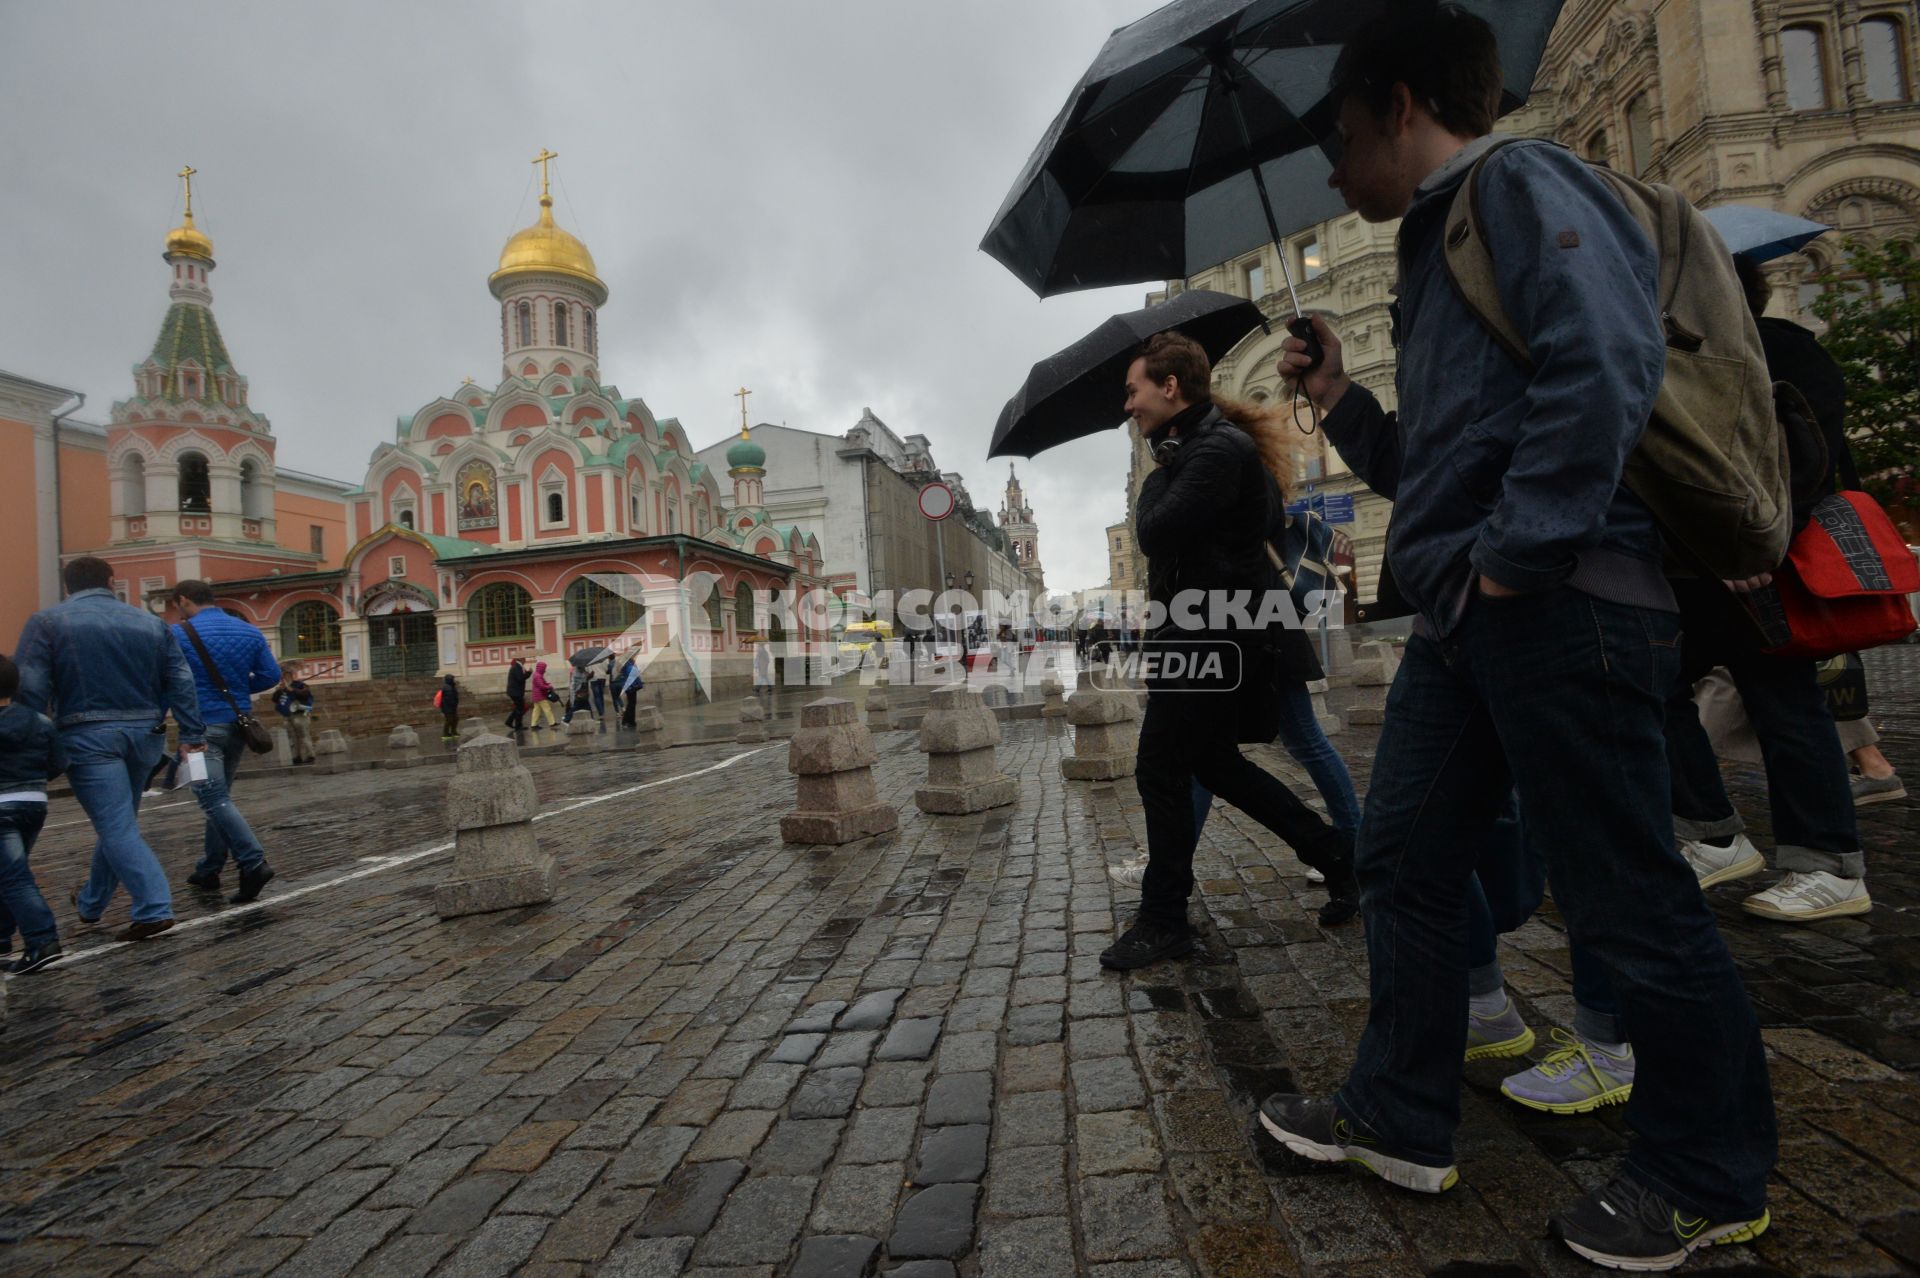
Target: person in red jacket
543 697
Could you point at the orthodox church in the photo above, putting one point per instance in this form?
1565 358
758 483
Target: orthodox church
541 516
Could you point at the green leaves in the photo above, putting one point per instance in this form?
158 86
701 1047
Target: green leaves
1871 307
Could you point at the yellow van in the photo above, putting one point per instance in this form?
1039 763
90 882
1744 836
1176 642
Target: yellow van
862 635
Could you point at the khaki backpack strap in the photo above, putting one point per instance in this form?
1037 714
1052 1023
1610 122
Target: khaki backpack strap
1469 261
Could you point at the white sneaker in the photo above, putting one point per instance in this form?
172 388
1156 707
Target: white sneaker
1802 897
1314 876
1132 874
1711 865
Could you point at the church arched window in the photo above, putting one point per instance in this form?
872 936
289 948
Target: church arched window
133 485
310 629
559 323
593 341
196 488
594 609
742 608
498 613
525 323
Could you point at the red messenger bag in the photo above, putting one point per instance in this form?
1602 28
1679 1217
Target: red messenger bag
1843 586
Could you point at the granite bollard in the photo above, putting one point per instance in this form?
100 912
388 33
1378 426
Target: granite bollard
753 721
330 752
583 734
1053 697
282 748
648 730
471 728
403 747
832 756
878 706
497 861
1104 740
958 737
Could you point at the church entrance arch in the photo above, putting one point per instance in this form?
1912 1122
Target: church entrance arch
401 637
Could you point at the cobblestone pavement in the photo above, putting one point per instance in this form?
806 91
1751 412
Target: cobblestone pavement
717 1055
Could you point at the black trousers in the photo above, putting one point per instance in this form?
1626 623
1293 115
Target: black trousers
517 719
1191 736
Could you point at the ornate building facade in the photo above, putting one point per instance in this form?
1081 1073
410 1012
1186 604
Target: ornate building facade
1022 533
1802 106
530 519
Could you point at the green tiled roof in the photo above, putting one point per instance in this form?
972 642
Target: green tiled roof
189 333
453 547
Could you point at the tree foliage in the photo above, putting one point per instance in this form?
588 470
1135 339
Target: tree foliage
1871 307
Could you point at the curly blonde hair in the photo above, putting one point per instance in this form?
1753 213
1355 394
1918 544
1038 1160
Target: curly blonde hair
1272 430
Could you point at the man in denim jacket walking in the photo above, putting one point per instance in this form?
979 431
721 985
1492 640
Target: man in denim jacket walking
106 673
246 667
1546 633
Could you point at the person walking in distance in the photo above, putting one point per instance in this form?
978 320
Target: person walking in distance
763 674
543 697
294 700
1203 518
1546 643
517 695
30 756
230 661
447 700
107 673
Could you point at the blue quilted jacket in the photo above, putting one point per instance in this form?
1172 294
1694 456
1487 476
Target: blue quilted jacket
242 654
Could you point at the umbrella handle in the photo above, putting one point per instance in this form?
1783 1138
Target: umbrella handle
1302 328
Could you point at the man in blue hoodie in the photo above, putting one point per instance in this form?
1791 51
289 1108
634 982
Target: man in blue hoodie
245 666
106 673
1546 633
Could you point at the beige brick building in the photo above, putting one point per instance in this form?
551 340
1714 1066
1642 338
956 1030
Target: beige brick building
1804 107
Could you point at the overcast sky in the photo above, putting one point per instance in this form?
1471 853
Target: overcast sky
780 194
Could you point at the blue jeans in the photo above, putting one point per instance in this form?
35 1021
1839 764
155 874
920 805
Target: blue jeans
227 833
1508 883
1300 733
108 765
1561 697
1807 788
21 905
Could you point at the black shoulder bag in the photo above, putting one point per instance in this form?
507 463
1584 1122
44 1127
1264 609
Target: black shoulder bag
252 731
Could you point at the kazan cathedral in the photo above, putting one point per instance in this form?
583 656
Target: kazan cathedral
533 519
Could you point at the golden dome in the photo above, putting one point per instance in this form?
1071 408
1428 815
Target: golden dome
545 249
187 240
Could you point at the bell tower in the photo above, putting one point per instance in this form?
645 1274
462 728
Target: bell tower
1016 520
550 297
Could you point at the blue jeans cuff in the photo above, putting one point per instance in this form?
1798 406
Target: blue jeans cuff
1692 831
1485 979
1847 865
1598 1027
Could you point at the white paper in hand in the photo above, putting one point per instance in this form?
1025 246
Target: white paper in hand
196 766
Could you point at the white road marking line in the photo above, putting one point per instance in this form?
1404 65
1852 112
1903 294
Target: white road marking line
61 825
388 863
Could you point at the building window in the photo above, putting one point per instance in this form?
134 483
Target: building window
593 341
1597 147
742 608
196 488
1313 259
310 629
633 512
406 517
559 323
317 539
556 508
525 312
712 609
1884 57
499 613
592 608
1256 280
1800 47
1639 135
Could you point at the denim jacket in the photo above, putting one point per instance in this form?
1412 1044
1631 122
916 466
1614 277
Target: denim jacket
1493 468
92 659
30 752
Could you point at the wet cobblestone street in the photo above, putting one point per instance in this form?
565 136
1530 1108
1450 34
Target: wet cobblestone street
714 1054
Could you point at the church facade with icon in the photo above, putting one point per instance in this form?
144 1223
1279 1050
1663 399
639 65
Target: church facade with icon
543 515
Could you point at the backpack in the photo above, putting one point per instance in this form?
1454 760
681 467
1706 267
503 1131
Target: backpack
436 697
1712 465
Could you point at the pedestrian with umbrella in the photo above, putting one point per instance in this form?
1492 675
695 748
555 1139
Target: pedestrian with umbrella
1547 634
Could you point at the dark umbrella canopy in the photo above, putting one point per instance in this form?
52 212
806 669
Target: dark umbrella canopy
1147 174
1079 391
587 656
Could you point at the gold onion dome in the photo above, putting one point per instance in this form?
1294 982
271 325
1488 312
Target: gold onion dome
545 249
186 239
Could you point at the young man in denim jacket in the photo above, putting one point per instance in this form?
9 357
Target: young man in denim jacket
1546 634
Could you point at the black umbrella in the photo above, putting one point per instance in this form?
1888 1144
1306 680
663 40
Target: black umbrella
1079 391
1200 133
587 656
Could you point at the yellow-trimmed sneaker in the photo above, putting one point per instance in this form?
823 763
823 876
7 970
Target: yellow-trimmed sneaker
1573 1078
1625 1225
1503 1034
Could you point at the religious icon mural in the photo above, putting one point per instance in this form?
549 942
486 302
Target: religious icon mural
479 504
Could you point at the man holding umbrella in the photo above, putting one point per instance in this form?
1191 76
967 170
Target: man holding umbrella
1546 645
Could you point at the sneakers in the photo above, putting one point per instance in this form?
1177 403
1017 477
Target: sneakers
1146 943
1312 1128
1343 898
1314 876
1573 1078
1624 1225
1877 790
251 881
1711 865
1130 875
1503 1034
1803 897
35 959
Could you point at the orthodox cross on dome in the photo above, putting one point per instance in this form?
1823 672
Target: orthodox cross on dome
741 395
186 178
543 159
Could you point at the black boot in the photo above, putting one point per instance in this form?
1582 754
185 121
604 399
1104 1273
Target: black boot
205 882
251 881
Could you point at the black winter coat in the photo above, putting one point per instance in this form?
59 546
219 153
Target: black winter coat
516 682
1203 521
